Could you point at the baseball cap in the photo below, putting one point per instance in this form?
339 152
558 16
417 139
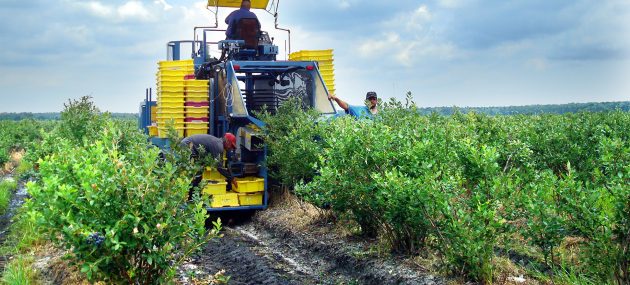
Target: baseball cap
370 95
231 139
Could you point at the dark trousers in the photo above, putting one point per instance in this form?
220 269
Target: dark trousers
195 183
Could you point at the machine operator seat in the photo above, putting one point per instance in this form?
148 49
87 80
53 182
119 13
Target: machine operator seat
248 29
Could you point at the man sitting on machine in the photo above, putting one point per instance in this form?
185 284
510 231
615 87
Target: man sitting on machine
241 19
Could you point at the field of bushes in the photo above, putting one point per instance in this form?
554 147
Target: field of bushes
547 193
103 194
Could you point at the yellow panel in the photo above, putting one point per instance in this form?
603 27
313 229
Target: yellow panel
256 4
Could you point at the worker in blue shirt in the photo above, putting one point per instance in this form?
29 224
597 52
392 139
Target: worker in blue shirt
233 18
367 110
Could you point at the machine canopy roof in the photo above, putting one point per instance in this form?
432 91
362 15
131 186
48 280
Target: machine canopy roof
256 4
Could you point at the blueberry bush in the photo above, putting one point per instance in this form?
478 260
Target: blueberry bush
117 204
471 186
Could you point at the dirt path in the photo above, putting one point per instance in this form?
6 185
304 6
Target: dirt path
271 248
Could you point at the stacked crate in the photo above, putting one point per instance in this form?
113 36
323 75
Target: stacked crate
246 191
196 106
325 64
171 96
250 190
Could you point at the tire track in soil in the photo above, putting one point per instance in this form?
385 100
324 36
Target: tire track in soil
247 260
254 253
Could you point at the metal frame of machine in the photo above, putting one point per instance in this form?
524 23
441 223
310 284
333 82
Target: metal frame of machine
242 81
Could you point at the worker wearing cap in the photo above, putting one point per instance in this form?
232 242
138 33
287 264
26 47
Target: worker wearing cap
211 145
368 110
232 19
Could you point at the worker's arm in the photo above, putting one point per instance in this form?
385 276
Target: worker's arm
340 102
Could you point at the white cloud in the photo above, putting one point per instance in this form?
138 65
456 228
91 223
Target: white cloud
345 4
418 19
415 42
164 4
98 9
133 10
378 46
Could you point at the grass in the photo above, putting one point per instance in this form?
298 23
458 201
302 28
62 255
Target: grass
20 271
23 235
6 190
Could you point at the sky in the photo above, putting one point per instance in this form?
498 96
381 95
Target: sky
445 52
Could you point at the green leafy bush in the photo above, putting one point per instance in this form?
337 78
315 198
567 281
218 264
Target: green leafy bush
469 185
124 217
20 135
111 199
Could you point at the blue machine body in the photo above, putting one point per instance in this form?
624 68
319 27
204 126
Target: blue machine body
242 82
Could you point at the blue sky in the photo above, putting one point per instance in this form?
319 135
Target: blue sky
446 52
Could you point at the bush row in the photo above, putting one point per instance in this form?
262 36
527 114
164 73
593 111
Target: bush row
469 186
19 135
113 201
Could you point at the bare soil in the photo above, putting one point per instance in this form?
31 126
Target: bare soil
295 243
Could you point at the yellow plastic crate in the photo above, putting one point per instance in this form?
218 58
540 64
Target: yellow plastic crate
178 89
170 104
326 66
162 132
165 123
250 199
170 84
178 127
153 113
171 100
196 83
168 78
175 110
196 91
328 78
175 63
202 111
212 174
176 122
215 187
176 116
248 184
197 125
327 72
170 114
171 96
228 199
192 132
153 131
197 98
256 4
311 53
175 72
